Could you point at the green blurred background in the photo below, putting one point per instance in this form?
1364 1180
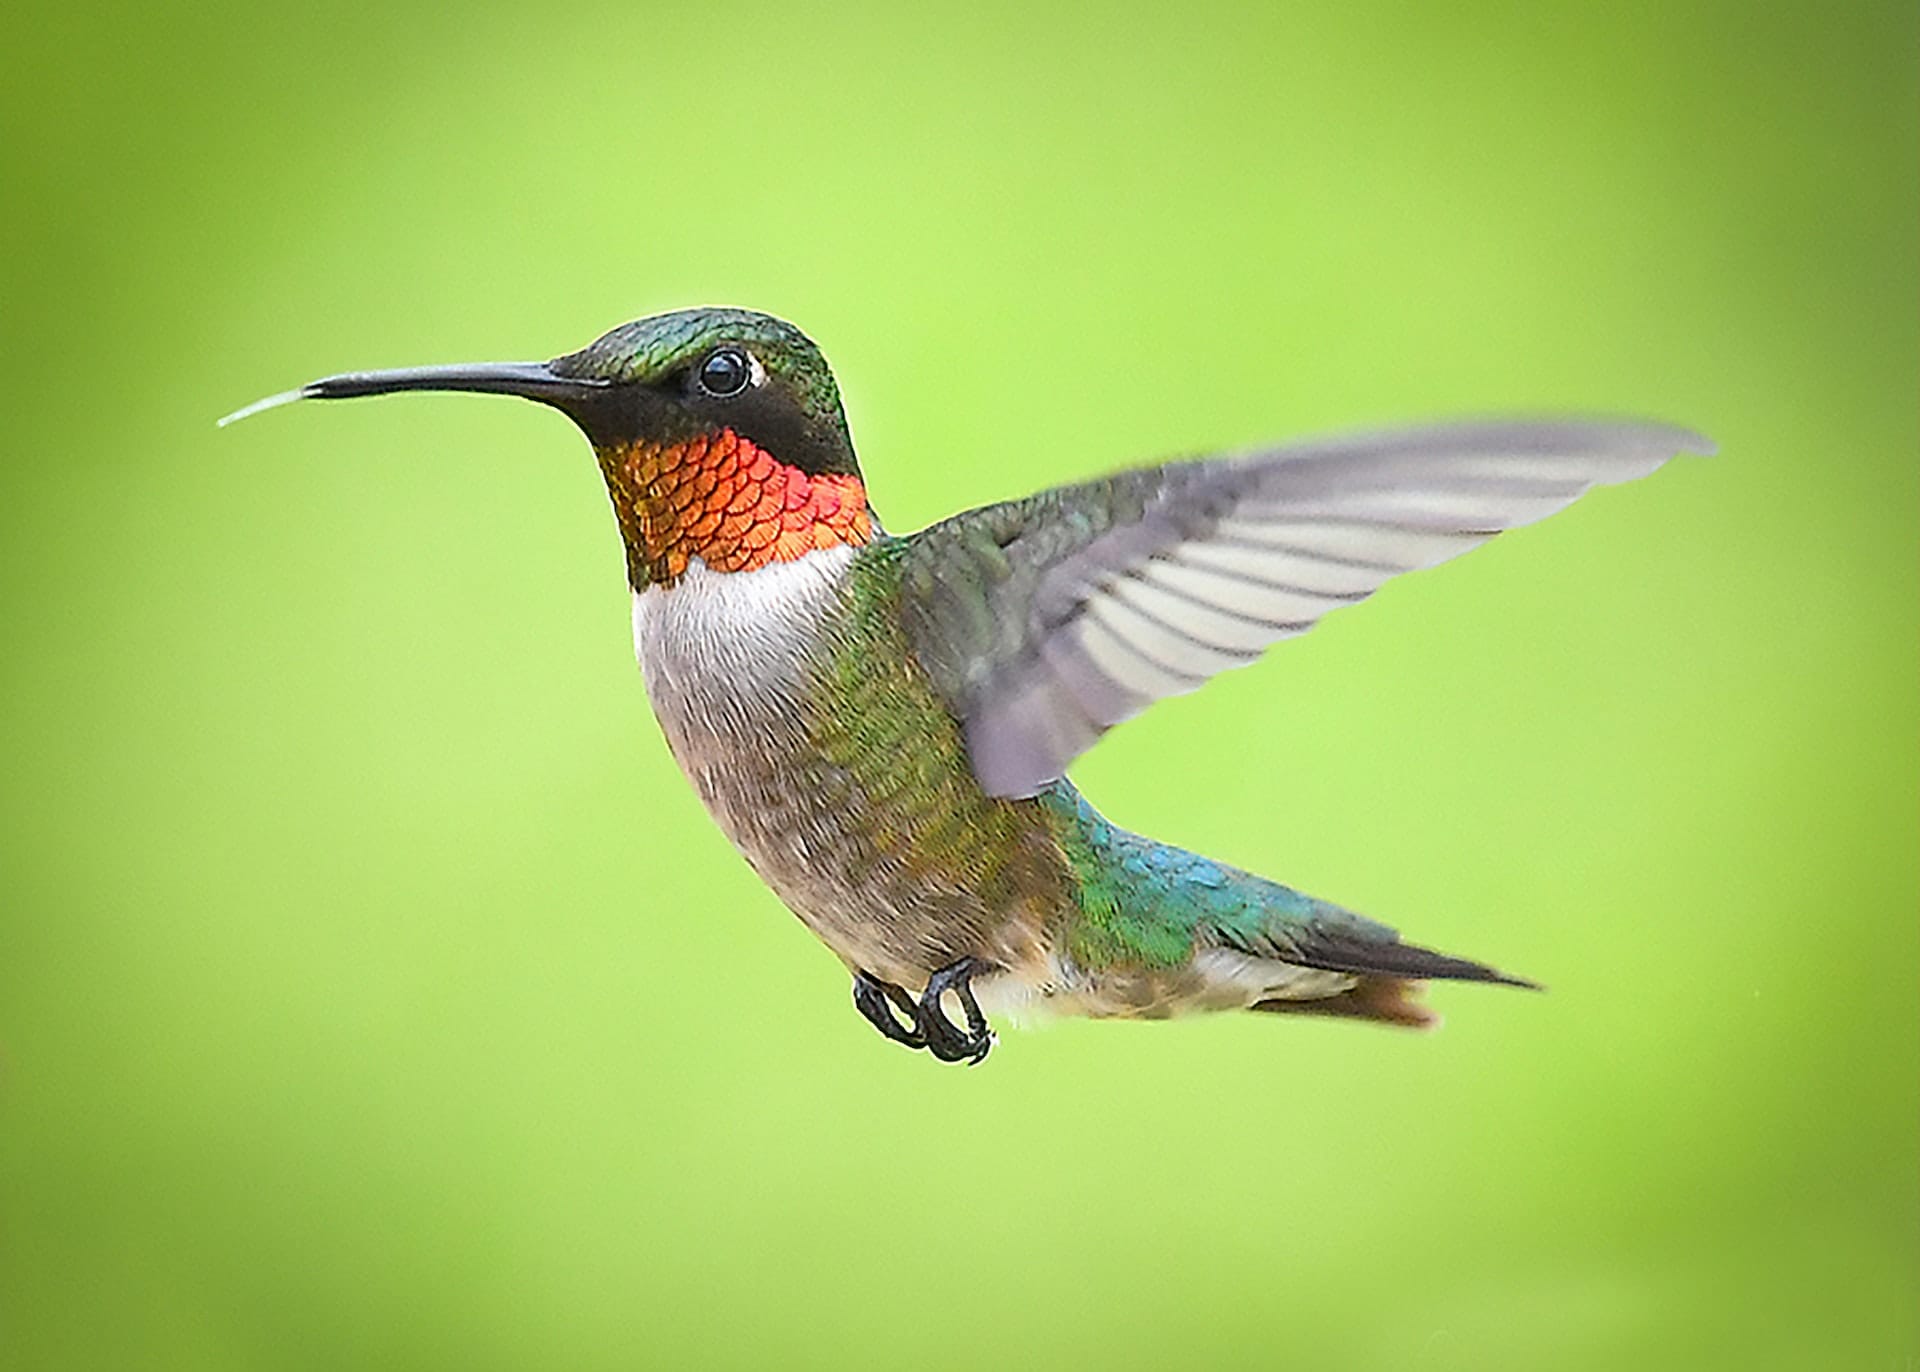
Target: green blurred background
374 992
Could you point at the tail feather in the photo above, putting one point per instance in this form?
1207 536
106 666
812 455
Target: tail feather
1387 1000
1334 950
1390 975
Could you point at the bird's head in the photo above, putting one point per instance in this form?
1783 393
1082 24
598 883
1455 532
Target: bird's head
719 431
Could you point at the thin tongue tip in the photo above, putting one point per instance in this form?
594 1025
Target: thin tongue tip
272 402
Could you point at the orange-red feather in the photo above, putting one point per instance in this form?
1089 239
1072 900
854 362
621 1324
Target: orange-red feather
729 503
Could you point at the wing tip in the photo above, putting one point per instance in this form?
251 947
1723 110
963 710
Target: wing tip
1624 431
1697 444
1682 440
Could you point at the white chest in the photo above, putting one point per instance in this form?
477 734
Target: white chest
722 651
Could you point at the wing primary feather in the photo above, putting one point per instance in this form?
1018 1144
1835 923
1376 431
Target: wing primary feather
1331 540
1119 604
1364 564
1440 521
1280 627
1095 693
1189 682
1291 588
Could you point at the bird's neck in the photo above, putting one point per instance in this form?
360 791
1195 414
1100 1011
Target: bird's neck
726 501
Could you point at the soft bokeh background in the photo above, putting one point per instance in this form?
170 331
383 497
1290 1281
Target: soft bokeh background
373 991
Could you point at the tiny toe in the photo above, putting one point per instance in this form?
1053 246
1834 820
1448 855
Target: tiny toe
871 998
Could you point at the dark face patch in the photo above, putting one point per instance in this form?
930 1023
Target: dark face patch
696 372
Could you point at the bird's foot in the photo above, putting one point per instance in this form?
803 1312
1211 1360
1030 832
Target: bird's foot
945 1039
926 1024
876 1000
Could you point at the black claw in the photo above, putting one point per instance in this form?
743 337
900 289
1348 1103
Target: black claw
875 999
944 1039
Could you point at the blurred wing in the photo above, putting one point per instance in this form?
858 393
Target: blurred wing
1045 621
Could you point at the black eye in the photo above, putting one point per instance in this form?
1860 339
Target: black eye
725 373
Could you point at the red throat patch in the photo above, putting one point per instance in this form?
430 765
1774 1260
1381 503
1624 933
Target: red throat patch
731 504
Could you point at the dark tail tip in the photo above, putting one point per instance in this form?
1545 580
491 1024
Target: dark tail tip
1331 952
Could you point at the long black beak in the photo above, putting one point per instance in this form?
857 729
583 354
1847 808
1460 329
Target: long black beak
529 380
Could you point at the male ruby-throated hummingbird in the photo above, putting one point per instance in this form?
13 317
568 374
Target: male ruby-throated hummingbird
882 723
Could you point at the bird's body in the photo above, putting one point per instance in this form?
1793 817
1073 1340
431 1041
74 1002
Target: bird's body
791 700
881 724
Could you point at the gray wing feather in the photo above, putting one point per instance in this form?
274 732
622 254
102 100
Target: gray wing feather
1045 621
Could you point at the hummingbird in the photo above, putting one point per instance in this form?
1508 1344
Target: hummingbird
882 723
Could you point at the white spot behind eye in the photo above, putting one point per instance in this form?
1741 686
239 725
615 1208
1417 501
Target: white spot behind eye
756 374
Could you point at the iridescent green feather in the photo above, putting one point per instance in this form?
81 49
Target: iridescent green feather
648 349
895 758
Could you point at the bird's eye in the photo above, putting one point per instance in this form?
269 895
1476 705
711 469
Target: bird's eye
726 372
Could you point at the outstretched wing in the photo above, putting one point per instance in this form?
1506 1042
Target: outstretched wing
1045 621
